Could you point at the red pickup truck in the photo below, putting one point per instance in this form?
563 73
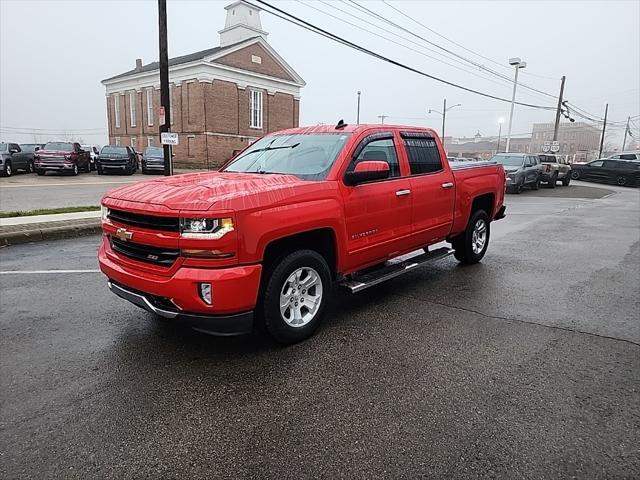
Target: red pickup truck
261 242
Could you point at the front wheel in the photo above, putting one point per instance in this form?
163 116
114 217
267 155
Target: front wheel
566 180
295 296
100 170
553 180
621 180
30 168
471 246
75 170
7 171
536 185
575 174
40 172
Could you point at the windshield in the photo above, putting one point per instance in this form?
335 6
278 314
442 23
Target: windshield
29 147
3 147
117 150
309 157
509 160
547 158
154 152
60 146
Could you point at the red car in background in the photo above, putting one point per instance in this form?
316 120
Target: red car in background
63 157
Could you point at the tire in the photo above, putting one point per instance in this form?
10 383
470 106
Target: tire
75 170
286 281
30 168
145 171
553 180
519 188
88 169
566 180
7 171
99 170
40 172
469 247
575 174
621 180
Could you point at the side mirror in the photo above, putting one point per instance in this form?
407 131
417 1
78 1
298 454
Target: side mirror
13 150
367 171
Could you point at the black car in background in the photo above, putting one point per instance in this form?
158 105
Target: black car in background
153 160
13 158
621 172
117 159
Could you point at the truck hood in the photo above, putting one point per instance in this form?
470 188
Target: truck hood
200 191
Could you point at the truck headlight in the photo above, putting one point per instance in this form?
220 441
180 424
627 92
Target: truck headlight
211 228
105 213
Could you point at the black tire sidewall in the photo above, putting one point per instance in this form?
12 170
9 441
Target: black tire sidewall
575 175
272 321
464 252
624 180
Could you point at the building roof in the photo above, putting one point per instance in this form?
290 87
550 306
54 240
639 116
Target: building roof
191 57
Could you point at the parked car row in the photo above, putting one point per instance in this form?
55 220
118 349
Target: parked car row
621 171
72 158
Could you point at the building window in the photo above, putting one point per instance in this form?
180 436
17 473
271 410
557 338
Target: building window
191 146
149 141
118 141
132 108
150 107
255 109
134 142
116 109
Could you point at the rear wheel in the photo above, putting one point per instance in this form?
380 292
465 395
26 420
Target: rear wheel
88 167
30 168
75 170
621 180
295 296
553 180
7 171
471 246
566 180
575 174
536 185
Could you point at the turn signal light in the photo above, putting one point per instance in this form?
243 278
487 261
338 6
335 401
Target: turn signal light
198 253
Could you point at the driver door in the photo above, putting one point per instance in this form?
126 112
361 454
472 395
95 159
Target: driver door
377 213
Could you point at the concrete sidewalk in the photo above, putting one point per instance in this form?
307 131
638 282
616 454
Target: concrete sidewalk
48 227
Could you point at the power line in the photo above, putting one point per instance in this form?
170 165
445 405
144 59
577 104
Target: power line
5 127
450 52
309 26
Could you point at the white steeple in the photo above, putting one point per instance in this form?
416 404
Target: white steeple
243 22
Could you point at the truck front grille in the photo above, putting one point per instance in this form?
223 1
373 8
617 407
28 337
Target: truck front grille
167 224
145 253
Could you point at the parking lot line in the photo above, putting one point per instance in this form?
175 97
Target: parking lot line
66 184
37 272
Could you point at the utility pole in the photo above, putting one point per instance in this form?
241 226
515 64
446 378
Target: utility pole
358 115
559 110
604 128
626 130
164 81
382 117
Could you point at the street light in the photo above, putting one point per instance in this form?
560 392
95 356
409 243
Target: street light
444 113
500 122
518 64
358 115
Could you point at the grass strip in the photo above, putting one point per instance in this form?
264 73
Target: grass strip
49 211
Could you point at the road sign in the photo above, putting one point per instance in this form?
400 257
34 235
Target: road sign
555 146
546 146
168 138
161 115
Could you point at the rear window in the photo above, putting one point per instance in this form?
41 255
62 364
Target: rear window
113 149
547 158
423 154
29 147
154 151
59 146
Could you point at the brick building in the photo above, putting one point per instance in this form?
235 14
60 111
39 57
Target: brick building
573 137
222 98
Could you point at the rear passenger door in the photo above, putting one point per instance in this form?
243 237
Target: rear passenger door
432 189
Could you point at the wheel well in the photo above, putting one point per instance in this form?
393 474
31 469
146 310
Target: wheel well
483 202
321 240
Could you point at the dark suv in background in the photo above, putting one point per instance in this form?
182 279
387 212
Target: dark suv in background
621 172
13 158
153 160
117 158
522 169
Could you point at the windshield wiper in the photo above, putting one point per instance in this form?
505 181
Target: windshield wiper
267 149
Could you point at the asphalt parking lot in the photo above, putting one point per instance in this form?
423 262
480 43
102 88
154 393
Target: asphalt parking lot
524 366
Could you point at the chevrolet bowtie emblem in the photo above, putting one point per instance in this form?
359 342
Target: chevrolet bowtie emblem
124 235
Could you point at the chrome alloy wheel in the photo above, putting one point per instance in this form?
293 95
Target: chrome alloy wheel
479 236
301 297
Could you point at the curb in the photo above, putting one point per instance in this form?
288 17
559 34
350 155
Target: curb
35 232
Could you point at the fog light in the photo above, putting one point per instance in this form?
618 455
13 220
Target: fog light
205 293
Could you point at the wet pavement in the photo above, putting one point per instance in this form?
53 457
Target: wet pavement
524 366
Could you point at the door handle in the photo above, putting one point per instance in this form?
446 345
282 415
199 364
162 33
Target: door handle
447 185
402 193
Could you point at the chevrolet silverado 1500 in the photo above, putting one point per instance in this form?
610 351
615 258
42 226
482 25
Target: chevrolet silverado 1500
261 242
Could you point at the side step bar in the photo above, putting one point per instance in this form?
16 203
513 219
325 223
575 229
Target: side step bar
391 269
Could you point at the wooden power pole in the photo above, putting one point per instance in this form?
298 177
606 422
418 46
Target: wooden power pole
165 101
604 129
558 111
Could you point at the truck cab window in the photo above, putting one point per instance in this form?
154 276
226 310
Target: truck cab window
379 150
423 154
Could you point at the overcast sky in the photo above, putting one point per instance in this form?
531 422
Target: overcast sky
54 54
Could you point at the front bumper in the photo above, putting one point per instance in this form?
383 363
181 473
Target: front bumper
54 166
174 293
223 325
